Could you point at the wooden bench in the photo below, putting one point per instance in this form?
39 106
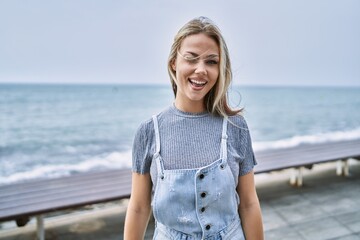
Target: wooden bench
305 156
20 201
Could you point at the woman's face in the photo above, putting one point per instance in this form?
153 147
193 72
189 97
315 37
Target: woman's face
196 69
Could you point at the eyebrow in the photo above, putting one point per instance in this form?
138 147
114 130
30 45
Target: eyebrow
196 55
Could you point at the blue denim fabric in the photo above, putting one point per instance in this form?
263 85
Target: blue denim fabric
200 203
232 232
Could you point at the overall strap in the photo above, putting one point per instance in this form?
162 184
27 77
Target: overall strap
157 157
223 149
157 135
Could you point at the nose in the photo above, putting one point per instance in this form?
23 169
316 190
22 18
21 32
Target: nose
201 68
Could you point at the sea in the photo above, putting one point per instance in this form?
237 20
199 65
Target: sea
52 130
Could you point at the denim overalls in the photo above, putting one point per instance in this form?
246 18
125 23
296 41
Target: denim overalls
200 203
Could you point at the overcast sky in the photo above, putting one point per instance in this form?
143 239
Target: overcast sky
272 42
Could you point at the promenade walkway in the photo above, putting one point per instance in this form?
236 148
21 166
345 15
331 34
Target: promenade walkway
326 207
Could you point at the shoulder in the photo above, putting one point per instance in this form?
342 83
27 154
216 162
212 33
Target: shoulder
147 127
238 129
237 123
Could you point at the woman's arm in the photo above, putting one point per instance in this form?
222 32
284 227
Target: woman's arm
139 208
249 208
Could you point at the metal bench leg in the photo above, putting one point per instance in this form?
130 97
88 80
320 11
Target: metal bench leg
299 181
346 168
296 178
293 176
40 227
339 167
342 168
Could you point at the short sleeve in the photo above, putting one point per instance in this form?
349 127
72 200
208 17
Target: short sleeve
142 149
247 161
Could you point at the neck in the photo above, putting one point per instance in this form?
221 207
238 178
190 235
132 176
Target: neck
190 107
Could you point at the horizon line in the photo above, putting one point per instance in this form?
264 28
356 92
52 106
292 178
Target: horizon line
168 84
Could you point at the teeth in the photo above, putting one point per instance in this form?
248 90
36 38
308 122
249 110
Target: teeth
197 82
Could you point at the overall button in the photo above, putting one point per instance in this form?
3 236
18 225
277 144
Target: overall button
203 194
201 176
202 209
208 227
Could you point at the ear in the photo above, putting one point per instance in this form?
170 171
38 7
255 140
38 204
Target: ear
173 65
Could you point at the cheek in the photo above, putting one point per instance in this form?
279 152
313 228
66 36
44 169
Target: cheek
214 74
183 72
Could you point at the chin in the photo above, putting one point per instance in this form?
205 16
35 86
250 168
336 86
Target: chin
197 98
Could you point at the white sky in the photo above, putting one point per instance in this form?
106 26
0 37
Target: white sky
272 42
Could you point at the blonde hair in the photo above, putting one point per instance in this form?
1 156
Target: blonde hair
216 101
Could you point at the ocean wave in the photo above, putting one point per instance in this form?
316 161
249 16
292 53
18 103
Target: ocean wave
308 139
114 160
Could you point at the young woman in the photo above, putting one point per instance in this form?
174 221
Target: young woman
193 162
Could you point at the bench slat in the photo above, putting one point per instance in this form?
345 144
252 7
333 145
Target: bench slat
279 159
84 176
63 203
53 194
66 183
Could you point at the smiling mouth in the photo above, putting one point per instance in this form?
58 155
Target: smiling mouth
197 83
